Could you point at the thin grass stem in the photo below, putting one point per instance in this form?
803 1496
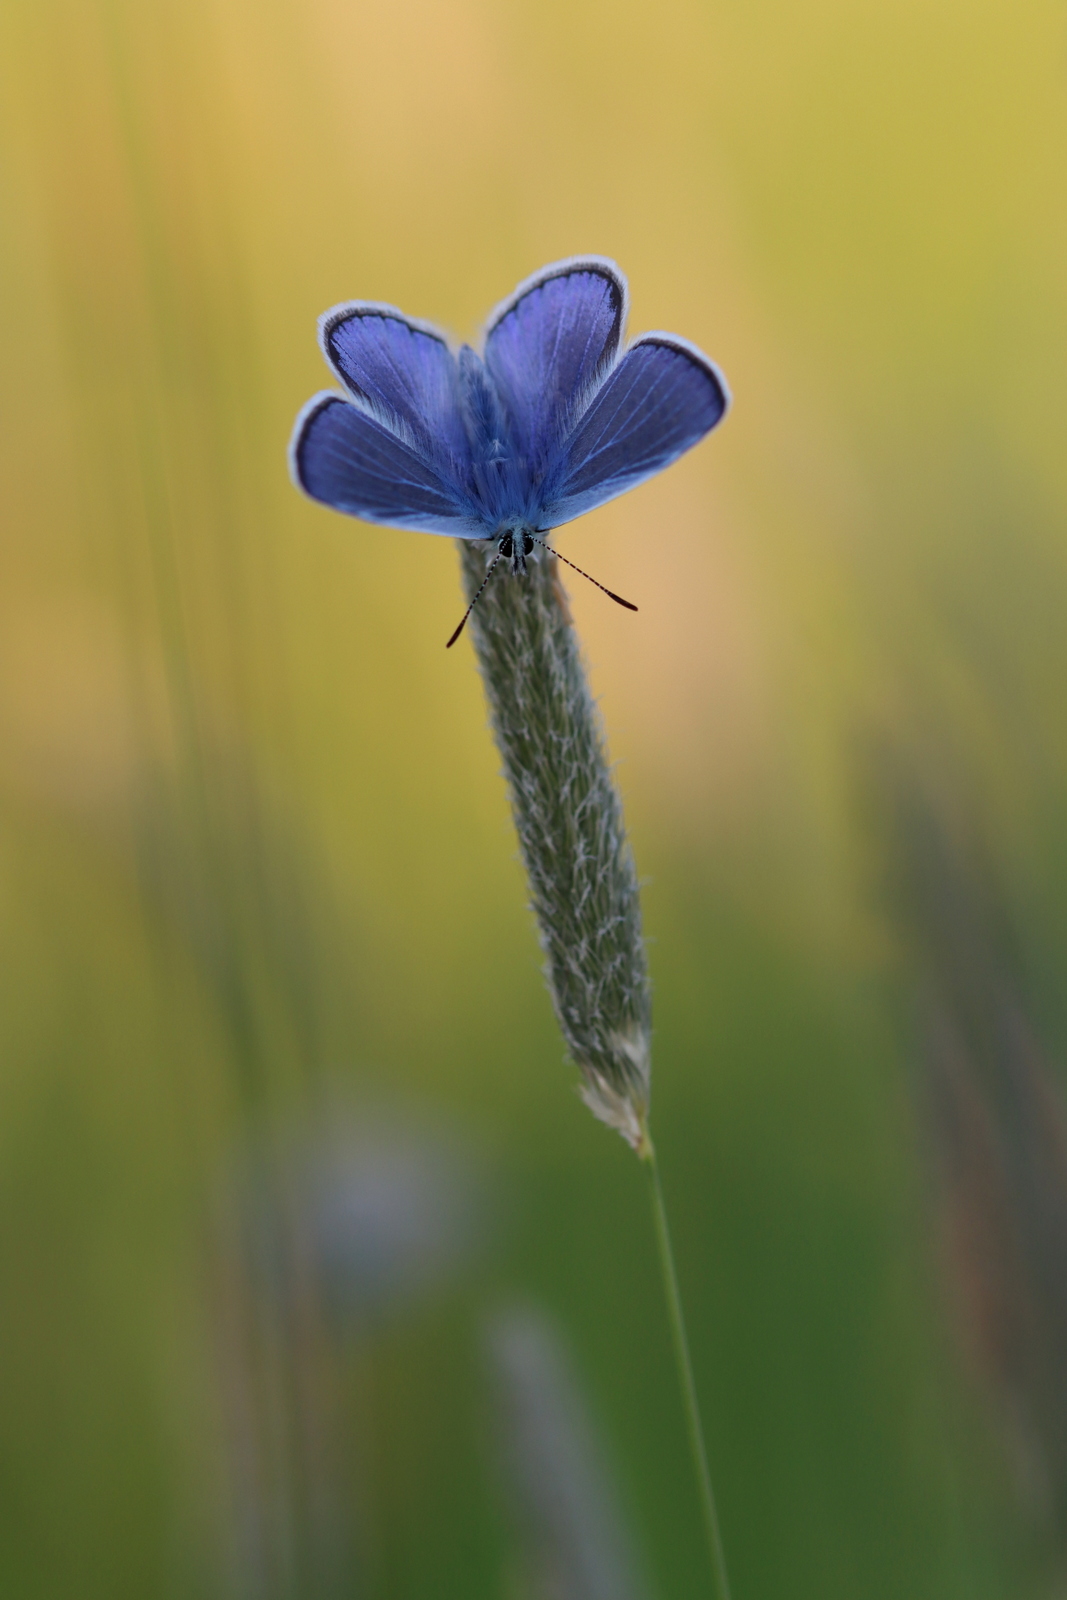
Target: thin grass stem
690 1404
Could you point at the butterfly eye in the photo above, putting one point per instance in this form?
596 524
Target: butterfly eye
506 547
527 544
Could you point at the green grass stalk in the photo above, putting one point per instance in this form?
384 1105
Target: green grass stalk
583 885
690 1403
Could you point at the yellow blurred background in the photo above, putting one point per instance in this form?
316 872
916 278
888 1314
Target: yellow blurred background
259 900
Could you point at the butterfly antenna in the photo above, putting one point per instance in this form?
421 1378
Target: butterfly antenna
609 592
474 602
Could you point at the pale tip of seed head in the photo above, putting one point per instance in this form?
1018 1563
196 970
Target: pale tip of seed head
618 1109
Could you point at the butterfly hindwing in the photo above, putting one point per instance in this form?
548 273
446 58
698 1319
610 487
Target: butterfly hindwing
661 399
346 458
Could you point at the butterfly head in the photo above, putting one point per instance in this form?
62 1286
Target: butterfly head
515 545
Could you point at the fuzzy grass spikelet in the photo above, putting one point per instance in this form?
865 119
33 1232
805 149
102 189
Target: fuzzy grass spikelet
568 816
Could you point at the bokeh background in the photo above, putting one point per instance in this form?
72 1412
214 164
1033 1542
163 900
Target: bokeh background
317 1278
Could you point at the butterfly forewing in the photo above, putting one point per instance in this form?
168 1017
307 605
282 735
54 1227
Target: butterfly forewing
403 370
549 345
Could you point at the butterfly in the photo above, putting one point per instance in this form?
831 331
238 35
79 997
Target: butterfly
553 417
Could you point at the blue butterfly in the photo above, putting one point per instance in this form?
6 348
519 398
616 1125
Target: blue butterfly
547 423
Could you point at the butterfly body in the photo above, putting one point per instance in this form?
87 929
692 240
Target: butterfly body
548 421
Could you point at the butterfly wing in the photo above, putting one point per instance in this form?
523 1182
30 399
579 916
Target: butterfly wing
343 456
661 399
549 344
402 371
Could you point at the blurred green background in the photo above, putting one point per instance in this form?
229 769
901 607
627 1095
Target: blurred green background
258 889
